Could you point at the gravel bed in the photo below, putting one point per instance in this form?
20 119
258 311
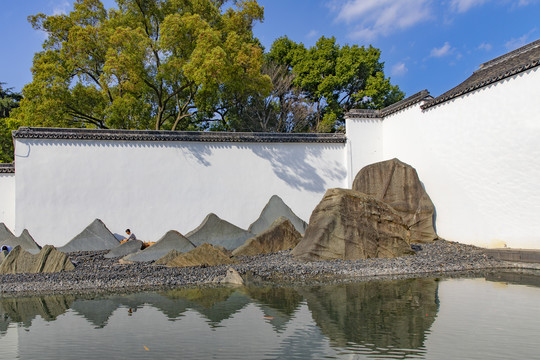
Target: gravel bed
94 272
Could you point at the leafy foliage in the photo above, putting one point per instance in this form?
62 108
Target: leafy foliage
335 79
8 101
162 64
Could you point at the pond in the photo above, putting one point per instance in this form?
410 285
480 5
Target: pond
493 317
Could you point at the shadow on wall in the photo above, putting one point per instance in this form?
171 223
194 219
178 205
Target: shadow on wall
293 166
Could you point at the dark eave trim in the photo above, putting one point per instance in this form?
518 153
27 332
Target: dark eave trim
7 168
156 135
400 105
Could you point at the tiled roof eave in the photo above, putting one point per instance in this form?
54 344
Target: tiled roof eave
481 84
156 136
7 168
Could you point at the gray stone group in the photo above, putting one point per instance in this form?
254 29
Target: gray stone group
386 209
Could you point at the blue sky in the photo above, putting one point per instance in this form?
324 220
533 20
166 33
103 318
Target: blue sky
425 44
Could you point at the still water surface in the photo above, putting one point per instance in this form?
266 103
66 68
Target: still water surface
483 318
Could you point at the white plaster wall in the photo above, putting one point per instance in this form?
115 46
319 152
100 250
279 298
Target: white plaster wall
7 200
364 144
479 158
153 187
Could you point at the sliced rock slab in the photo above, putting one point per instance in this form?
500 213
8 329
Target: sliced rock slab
216 231
274 209
25 240
129 247
350 225
281 235
172 240
205 254
398 185
48 260
94 237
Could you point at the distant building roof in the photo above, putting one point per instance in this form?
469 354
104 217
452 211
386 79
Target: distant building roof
7 168
157 135
400 105
512 63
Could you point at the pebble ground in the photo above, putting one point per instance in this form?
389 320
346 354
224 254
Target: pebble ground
94 272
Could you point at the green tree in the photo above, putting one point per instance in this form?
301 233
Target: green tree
8 101
161 64
335 79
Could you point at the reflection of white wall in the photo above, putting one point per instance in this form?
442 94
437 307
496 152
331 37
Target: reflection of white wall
7 199
153 187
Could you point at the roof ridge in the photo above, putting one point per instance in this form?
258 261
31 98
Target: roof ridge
508 55
166 135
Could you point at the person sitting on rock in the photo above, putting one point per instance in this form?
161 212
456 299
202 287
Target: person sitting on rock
131 236
6 248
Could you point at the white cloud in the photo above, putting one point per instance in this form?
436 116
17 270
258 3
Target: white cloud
373 18
515 43
60 7
485 46
399 69
444 50
312 34
462 6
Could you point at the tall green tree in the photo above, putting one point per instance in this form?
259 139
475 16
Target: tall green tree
9 100
149 64
335 79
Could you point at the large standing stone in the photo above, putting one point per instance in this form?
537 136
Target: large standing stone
281 235
25 240
274 209
94 237
205 254
172 240
350 225
398 185
216 231
48 260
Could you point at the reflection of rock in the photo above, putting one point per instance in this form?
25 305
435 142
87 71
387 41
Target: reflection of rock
172 240
281 235
129 247
383 316
277 303
94 237
205 254
48 260
398 185
274 209
25 309
216 304
216 231
26 241
350 225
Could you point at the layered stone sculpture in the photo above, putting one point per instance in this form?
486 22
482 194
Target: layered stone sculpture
274 209
25 240
172 240
351 225
281 235
124 249
94 237
398 185
205 254
216 231
48 260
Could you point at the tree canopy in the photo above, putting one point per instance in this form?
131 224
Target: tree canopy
9 100
335 79
149 64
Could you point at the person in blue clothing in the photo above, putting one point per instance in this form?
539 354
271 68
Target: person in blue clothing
6 248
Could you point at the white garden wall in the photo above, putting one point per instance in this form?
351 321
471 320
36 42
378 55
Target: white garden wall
7 199
155 186
479 158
